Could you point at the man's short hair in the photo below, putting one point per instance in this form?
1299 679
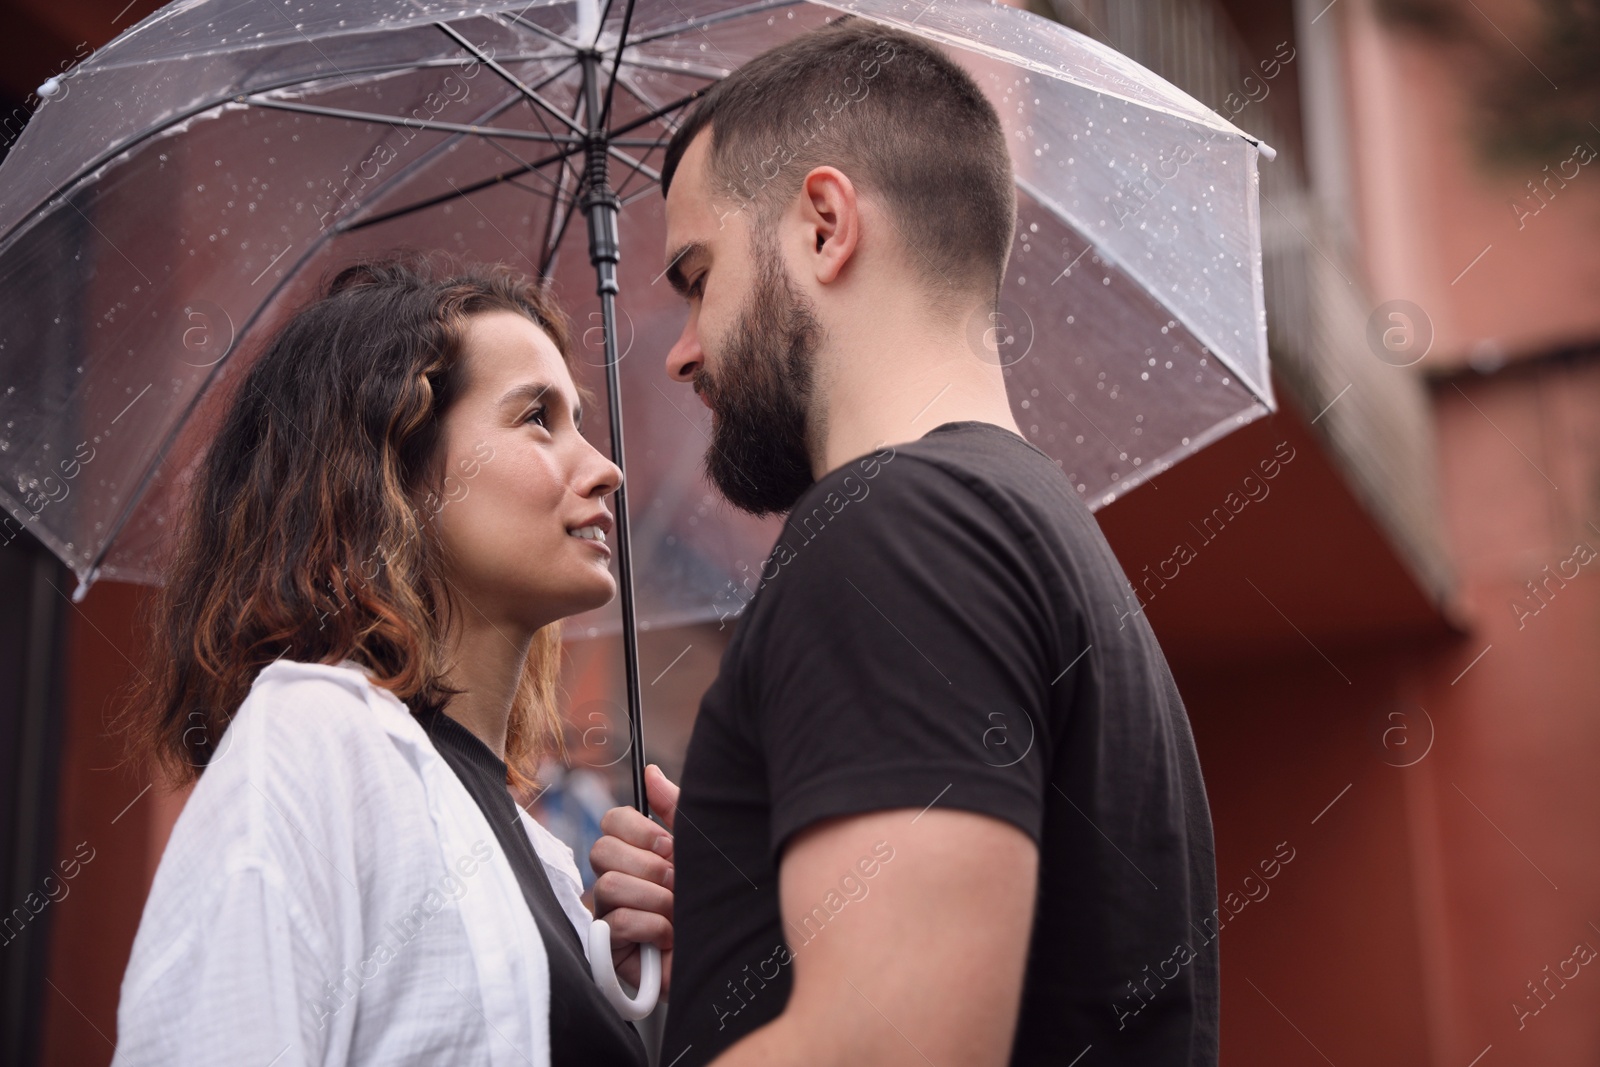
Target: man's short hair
892 112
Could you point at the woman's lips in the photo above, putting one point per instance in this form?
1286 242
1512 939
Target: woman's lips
598 546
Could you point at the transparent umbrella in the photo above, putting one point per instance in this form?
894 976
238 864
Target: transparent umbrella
182 190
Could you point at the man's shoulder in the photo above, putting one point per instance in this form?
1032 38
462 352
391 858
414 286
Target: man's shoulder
999 465
985 459
904 525
973 501
966 474
891 502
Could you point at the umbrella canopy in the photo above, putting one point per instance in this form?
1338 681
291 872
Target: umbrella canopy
186 187
182 190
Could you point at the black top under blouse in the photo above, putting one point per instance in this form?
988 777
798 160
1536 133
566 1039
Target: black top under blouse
584 1029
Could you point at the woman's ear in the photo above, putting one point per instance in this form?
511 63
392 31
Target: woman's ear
833 214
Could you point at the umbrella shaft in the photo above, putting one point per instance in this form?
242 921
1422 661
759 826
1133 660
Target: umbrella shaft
630 638
600 204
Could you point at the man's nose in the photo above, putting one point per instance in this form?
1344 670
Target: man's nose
685 357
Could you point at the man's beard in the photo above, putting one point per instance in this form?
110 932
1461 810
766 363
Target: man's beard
758 457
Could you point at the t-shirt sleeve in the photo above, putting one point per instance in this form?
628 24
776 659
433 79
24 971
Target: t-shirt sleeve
901 660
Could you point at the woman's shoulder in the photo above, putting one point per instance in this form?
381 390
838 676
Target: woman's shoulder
317 710
324 691
306 738
308 758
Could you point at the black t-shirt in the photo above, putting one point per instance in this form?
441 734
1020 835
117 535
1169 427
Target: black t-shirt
585 1031
942 622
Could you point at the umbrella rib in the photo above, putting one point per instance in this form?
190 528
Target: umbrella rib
554 245
616 63
556 186
180 117
653 115
637 166
480 131
462 191
568 119
568 153
532 191
530 168
656 111
667 68
622 187
535 27
678 104
422 124
652 174
566 207
432 153
565 161
489 62
547 250
553 234
639 194
540 193
700 22
634 92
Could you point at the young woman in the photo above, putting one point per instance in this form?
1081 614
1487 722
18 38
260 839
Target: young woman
355 654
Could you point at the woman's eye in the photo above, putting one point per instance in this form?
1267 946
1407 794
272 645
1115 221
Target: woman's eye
541 414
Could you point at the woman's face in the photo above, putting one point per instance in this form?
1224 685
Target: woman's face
519 480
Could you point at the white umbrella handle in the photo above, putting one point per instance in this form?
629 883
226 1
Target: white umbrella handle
605 975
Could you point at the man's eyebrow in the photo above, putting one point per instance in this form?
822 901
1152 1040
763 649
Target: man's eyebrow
677 270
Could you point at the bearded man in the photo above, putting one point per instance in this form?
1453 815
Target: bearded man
942 804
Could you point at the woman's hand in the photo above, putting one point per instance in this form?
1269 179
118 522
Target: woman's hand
633 892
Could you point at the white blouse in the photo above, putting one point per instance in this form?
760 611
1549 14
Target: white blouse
332 895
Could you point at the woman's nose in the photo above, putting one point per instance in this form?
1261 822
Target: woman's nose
607 478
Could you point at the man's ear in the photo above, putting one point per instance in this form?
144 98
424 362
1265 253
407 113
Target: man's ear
832 216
